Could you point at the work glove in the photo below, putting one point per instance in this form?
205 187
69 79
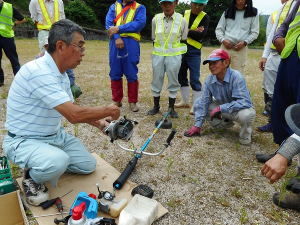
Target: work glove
216 113
193 131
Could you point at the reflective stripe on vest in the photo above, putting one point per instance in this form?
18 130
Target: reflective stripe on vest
129 17
47 22
6 23
168 46
273 16
283 15
292 38
194 26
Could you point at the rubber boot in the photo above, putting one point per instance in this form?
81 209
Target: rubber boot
156 106
172 114
196 94
294 183
117 91
133 91
185 98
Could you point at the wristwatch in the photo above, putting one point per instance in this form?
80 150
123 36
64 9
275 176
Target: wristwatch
245 43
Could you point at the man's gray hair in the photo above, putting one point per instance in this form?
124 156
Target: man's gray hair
63 30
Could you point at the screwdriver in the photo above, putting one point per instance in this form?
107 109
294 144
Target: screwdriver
48 203
59 207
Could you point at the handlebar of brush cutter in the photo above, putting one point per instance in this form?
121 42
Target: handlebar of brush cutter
118 184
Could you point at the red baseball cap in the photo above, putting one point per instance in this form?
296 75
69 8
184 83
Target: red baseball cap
216 55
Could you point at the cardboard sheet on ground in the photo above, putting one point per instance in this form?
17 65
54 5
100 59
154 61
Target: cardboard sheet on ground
104 175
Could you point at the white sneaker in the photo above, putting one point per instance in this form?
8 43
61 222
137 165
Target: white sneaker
35 193
245 141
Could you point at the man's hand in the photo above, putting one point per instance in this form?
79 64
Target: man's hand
275 168
262 64
114 112
227 44
119 43
199 29
279 44
113 30
239 46
216 113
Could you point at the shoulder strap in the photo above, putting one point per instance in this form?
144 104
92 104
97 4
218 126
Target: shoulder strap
133 5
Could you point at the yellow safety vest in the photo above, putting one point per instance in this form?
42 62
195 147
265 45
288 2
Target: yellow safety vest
6 23
163 46
129 17
194 26
283 15
292 38
273 16
47 22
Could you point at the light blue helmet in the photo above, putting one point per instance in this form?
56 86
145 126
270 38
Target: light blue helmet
160 1
200 1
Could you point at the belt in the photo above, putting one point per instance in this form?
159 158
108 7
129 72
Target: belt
13 135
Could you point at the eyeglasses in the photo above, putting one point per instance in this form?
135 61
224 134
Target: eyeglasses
82 49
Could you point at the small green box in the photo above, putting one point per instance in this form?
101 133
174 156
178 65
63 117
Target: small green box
6 181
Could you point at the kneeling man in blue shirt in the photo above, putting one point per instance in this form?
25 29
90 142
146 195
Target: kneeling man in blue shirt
224 98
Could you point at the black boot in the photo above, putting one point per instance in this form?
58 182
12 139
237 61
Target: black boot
294 183
287 200
155 108
173 114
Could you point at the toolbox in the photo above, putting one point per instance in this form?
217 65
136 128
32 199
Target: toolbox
6 180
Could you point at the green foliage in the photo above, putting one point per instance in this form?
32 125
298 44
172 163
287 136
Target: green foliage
261 39
82 14
215 10
21 5
182 6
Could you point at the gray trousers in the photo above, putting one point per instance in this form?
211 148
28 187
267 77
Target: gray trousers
244 117
169 65
49 157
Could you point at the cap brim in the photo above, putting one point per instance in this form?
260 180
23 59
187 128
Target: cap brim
211 59
292 117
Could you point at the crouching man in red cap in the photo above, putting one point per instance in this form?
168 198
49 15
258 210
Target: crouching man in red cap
224 99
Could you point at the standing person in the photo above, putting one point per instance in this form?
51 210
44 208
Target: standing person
76 91
168 29
238 27
124 22
270 61
276 167
38 98
225 98
44 13
287 85
7 41
198 22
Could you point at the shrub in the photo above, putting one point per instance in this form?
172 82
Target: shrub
81 14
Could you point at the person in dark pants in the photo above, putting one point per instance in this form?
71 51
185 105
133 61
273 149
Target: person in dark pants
198 22
7 42
286 91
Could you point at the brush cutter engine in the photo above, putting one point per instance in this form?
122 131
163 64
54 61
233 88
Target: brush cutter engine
122 129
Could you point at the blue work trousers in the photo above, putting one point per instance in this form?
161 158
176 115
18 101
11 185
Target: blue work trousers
286 93
124 61
9 47
49 157
190 61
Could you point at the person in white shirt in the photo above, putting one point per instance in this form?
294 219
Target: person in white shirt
238 27
44 13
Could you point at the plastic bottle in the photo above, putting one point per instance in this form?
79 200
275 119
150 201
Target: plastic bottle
78 218
114 207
